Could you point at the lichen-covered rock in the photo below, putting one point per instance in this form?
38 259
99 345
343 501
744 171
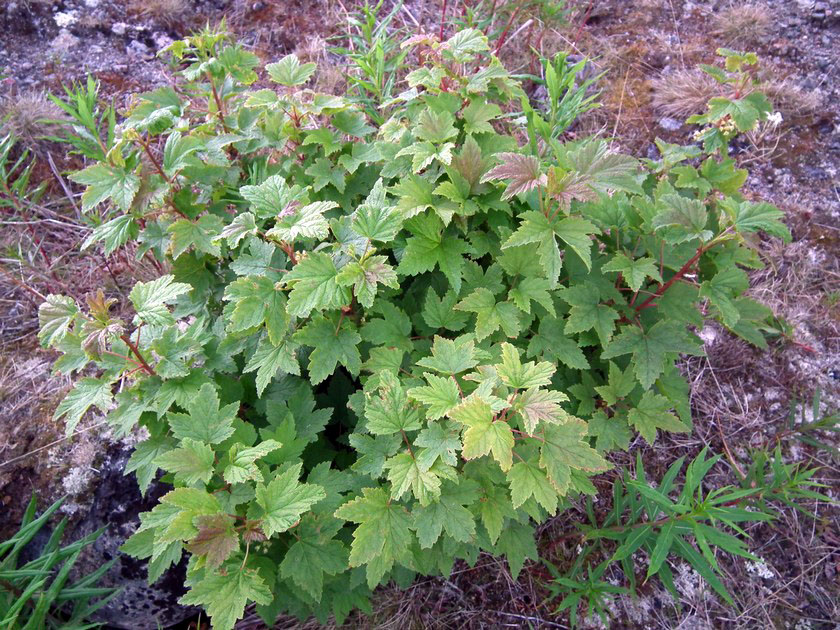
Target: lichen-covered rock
117 505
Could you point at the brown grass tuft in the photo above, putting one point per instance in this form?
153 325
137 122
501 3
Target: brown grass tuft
685 92
167 12
25 115
743 25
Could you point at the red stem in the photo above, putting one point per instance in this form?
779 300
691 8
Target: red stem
136 352
664 287
503 36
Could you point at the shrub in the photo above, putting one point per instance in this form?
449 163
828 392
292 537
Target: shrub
374 350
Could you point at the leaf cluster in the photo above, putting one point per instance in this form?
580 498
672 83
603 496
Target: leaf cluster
379 344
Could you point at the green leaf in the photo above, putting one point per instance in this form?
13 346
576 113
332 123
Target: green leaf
56 317
597 168
664 539
723 175
747 216
424 153
530 290
490 315
393 329
216 540
242 465
205 420
374 219
203 235
389 412
142 460
314 282
437 441
551 342
224 596
285 499
484 434
268 359
465 45
255 300
330 347
428 247
610 433
633 271
325 173
652 413
150 299
178 510
565 448
405 473
289 71
192 462
383 535
527 480
587 312
87 393
448 515
435 126
271 197
722 290
650 348
684 218
536 228
477 116
178 151
450 356
517 375
619 384
539 405
325 138
352 122
306 222
314 554
517 543
415 195
440 395
105 181
440 312
242 225
364 276
114 233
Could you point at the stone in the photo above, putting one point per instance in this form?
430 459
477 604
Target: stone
117 504
670 124
64 42
137 48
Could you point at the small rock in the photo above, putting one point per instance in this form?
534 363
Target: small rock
137 48
64 41
65 18
161 40
670 124
117 504
91 4
119 28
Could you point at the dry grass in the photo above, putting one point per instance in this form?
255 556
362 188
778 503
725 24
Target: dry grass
26 115
742 25
166 12
681 93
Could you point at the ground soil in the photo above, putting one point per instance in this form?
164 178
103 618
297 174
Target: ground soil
741 397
